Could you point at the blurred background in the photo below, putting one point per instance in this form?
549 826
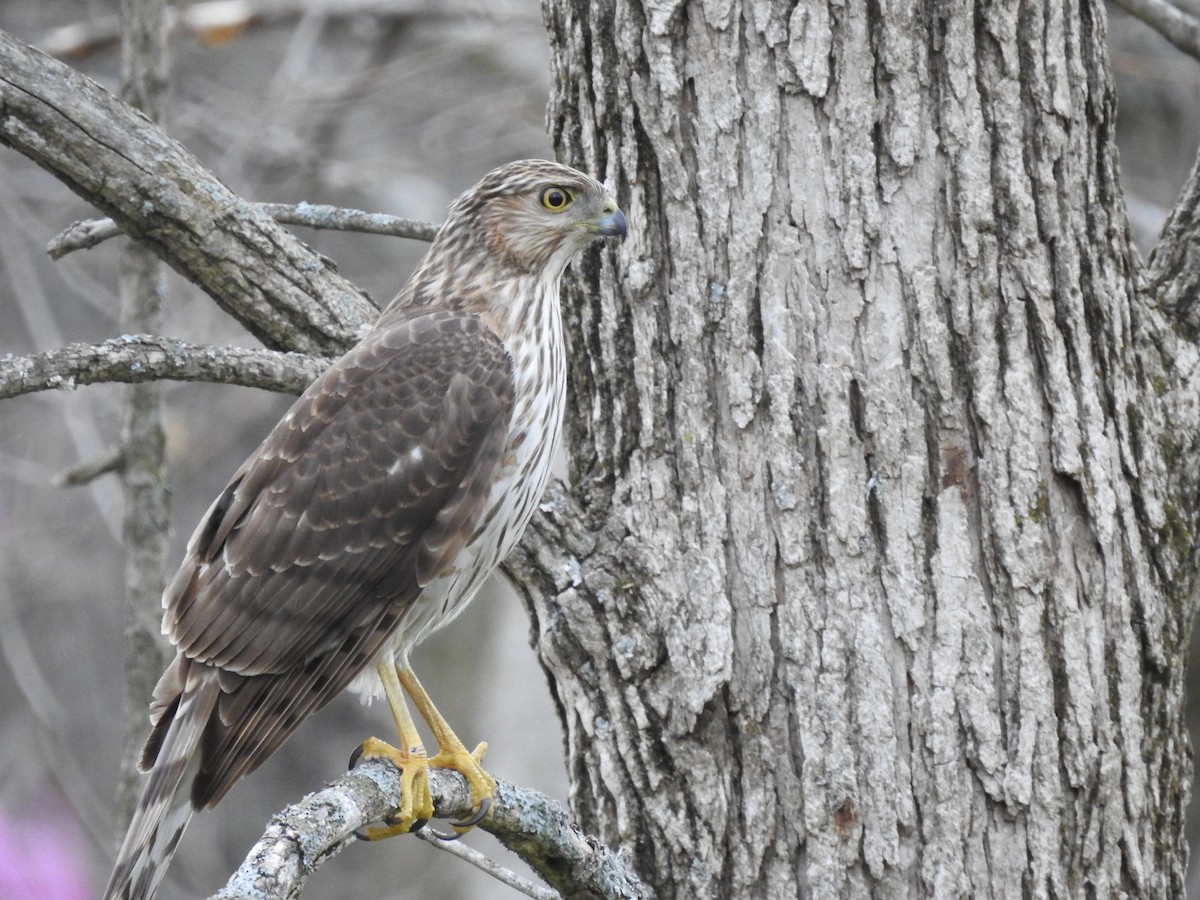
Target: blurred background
387 105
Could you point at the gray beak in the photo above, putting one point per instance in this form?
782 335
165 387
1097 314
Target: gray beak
611 225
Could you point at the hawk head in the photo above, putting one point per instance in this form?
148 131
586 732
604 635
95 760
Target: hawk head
506 241
532 216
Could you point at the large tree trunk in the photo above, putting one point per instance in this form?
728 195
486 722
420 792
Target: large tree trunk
876 569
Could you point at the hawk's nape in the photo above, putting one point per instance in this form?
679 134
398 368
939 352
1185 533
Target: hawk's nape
372 513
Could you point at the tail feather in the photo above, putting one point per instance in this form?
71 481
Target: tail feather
164 810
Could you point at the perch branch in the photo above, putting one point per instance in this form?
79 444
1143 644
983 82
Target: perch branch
301 837
110 154
87 234
138 358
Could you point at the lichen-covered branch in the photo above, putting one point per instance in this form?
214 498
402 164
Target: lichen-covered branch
134 359
87 234
530 824
110 154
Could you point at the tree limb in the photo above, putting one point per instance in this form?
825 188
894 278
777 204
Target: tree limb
87 234
1170 21
132 359
1173 270
285 293
533 826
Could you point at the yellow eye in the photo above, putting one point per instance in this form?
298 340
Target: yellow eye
556 199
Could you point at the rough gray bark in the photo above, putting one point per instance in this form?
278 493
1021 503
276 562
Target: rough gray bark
878 563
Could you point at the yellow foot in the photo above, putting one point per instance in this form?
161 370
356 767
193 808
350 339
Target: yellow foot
469 766
416 803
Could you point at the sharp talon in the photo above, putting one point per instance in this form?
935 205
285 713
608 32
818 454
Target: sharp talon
448 837
476 817
356 756
358 833
396 819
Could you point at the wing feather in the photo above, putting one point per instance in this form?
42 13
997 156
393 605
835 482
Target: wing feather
306 563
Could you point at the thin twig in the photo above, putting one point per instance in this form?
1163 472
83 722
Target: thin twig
81 236
111 460
320 215
1177 26
138 358
87 234
486 864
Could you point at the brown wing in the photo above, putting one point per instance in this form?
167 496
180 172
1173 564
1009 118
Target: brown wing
307 562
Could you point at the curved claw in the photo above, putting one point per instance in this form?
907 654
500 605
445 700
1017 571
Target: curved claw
476 817
356 755
398 819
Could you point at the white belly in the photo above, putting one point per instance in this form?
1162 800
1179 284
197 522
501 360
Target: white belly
517 492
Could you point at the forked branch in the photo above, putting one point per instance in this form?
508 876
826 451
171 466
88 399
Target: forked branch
110 154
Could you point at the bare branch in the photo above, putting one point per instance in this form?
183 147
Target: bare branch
87 234
318 215
111 460
530 824
138 358
81 236
1170 21
285 293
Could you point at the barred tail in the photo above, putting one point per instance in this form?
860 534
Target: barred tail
183 704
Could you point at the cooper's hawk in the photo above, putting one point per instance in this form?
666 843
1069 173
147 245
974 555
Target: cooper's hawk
372 513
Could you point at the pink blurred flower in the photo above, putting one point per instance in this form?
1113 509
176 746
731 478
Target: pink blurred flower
40 861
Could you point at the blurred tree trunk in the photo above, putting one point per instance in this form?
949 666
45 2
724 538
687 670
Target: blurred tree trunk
877 567
142 449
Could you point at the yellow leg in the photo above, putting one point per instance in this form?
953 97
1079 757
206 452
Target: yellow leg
452 754
416 804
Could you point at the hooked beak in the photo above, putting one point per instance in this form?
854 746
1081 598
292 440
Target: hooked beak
611 224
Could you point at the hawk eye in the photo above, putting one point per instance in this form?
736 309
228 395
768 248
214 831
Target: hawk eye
555 199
